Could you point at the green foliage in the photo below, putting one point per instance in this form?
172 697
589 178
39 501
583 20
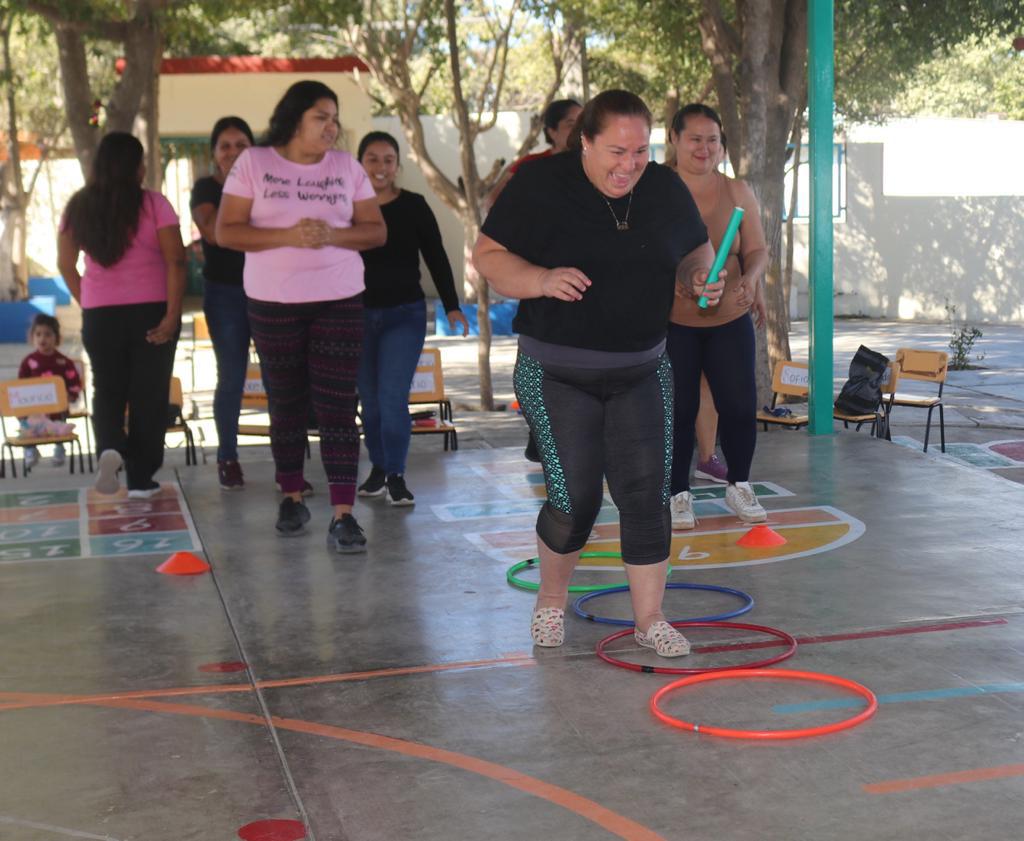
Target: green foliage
35 78
982 76
961 340
880 46
650 47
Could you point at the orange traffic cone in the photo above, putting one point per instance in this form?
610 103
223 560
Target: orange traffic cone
183 563
760 537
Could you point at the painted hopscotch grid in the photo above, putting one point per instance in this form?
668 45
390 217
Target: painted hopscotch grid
506 508
73 524
992 456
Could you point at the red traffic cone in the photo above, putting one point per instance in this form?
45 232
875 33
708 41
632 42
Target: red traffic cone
760 537
183 563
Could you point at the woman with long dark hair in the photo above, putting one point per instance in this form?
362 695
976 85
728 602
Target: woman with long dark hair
131 307
224 297
395 317
302 211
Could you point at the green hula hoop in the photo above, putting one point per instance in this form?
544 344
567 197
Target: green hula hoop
534 586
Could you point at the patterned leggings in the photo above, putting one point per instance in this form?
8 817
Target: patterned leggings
592 424
309 355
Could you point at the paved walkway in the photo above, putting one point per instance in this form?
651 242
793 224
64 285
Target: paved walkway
983 405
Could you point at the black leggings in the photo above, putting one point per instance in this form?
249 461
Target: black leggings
592 423
129 372
726 356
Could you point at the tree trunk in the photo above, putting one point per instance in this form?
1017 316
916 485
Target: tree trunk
483 316
78 98
147 120
470 210
141 39
13 263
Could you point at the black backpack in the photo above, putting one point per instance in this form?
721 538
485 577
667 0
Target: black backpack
862 392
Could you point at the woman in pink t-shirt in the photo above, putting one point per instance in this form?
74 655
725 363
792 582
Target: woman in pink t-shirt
131 307
302 211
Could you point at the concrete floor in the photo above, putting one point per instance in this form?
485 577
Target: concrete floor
397 696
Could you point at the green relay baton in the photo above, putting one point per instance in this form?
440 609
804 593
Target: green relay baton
723 251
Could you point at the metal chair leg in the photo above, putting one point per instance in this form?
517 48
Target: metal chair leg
942 428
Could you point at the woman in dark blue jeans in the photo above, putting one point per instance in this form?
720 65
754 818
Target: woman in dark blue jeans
396 318
224 298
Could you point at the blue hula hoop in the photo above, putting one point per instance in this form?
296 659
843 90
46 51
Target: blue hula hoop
746 607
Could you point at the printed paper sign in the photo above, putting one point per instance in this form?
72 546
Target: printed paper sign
794 376
30 396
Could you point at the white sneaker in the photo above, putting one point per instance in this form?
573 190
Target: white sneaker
742 501
145 493
31 455
107 482
59 456
681 507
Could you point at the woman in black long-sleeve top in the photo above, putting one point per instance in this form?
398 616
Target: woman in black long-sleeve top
396 317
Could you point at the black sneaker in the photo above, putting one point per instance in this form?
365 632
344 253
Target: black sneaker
398 493
345 536
291 517
374 484
531 453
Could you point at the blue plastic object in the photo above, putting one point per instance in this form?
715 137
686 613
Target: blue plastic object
748 604
16 316
501 315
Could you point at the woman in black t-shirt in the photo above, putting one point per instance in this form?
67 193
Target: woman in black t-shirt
395 317
223 297
597 243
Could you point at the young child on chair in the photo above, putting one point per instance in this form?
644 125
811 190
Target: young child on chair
46 361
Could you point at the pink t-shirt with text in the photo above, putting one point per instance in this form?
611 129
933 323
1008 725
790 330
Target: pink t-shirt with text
284 192
140 276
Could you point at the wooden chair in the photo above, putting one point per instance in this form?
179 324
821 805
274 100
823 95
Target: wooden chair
34 396
789 379
929 366
179 424
428 389
792 380
879 419
82 411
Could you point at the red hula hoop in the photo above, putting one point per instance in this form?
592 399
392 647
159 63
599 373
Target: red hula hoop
666 670
779 674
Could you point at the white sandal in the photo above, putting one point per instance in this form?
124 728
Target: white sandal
548 627
664 639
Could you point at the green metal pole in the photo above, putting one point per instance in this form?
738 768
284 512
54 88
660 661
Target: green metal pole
821 81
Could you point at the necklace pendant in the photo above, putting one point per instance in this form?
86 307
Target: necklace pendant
622 226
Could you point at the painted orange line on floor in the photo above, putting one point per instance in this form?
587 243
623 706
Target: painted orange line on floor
975 775
25 700
613 822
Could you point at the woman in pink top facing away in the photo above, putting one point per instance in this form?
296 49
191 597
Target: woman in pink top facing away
302 211
131 308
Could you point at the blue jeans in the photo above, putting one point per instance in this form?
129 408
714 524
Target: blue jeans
392 341
228 320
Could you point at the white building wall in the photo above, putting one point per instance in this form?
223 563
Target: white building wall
935 211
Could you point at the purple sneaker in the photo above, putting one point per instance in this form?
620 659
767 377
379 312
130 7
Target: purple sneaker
713 470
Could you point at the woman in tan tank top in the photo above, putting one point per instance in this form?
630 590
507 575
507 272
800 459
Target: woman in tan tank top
717 342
